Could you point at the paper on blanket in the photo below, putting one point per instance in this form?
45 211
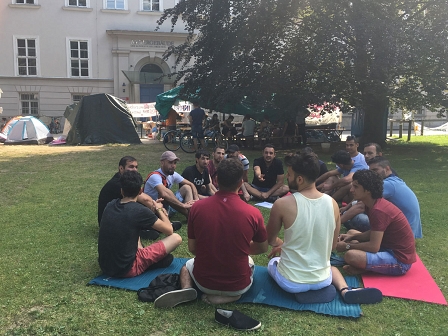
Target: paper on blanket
265 205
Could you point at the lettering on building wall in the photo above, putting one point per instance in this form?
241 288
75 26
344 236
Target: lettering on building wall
151 43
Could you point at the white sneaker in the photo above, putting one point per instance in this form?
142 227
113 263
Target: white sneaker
173 298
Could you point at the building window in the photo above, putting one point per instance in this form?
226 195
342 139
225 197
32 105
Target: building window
115 4
79 58
151 5
77 3
76 98
29 103
30 2
26 56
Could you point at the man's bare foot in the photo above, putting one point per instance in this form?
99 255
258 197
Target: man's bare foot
353 270
217 299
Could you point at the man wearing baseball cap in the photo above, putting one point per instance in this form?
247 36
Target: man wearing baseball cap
158 185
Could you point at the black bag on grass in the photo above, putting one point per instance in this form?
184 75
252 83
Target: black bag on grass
163 283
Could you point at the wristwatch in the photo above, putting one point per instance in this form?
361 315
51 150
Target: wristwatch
347 246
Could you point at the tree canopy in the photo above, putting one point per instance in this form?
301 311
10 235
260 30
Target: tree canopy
280 55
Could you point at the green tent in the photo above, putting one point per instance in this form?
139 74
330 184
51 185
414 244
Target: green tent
166 100
100 119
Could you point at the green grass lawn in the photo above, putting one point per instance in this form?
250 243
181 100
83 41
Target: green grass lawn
48 250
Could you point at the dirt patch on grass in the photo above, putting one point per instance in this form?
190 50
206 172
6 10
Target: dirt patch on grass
25 317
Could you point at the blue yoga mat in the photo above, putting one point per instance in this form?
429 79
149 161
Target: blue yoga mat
264 290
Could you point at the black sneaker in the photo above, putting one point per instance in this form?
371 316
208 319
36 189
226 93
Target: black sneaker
236 319
176 225
164 263
149 234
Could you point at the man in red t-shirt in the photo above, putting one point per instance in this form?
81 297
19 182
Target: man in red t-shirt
221 242
389 246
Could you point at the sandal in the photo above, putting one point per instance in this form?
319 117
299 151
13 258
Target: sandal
361 295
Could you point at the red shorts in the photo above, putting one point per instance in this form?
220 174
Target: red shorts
145 257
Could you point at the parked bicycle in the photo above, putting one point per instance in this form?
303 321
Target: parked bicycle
171 139
175 139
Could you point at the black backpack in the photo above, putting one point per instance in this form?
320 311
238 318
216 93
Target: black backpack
162 284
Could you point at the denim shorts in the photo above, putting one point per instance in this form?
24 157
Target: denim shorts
171 210
384 262
360 223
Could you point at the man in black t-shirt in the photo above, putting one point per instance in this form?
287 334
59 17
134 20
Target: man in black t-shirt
112 190
120 252
198 174
268 182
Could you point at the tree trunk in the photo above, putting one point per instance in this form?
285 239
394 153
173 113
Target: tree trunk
375 114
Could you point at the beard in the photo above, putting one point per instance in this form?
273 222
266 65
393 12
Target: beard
293 185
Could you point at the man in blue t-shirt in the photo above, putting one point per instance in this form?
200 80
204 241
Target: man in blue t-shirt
395 191
339 188
196 118
158 185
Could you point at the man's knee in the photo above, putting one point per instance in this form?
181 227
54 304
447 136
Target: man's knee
356 258
172 242
185 190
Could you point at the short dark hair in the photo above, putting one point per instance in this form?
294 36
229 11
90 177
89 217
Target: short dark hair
201 152
306 150
370 181
305 164
269 145
380 161
125 159
218 147
352 137
341 157
377 147
230 173
131 183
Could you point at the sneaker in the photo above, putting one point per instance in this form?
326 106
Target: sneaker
164 263
176 225
236 319
149 234
173 298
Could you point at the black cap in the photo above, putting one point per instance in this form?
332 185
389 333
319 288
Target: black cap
233 149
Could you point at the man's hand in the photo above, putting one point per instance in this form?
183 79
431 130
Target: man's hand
341 246
345 237
189 204
275 252
158 208
264 195
260 177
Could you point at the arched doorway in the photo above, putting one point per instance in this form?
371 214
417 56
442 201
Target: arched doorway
149 92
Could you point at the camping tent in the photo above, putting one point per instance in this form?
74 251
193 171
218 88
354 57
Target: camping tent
5 130
100 119
28 131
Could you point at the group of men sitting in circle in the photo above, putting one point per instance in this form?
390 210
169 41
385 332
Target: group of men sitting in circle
224 231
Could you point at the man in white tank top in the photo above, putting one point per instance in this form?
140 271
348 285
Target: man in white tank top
311 223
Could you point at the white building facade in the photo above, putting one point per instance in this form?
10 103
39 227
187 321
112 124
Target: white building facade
54 52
